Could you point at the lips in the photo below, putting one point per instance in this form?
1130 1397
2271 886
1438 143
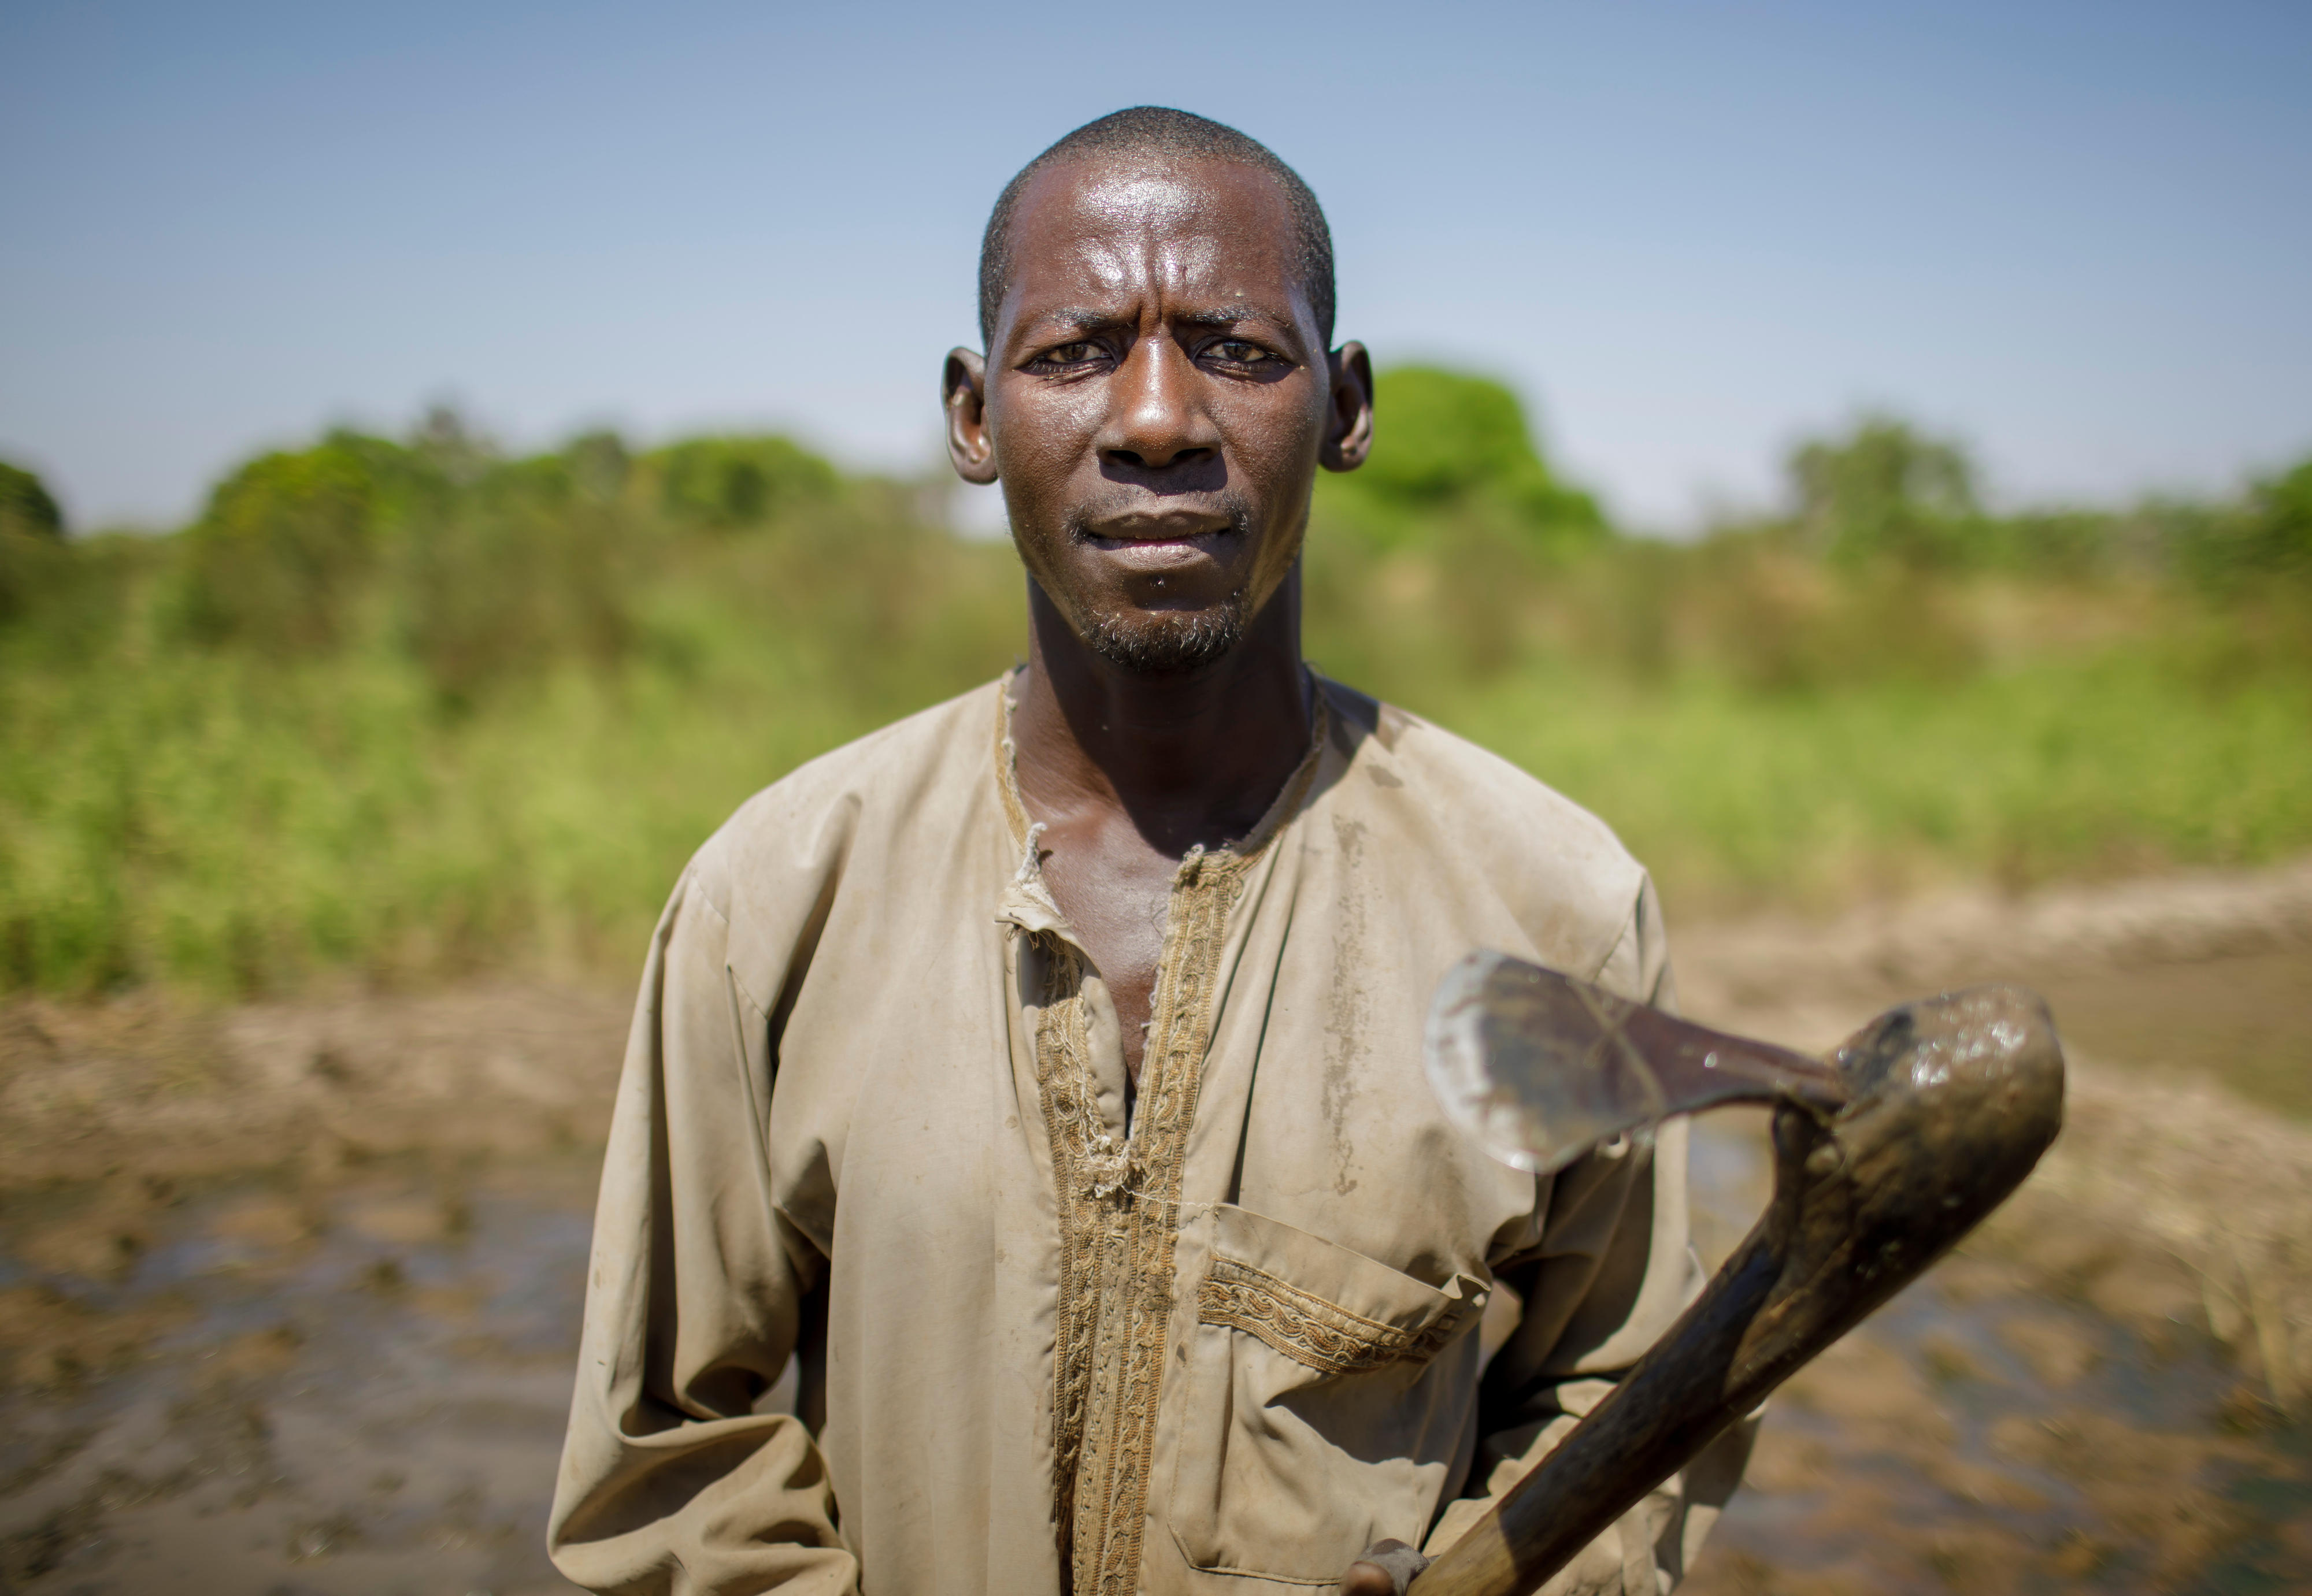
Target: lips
1168 527
1161 553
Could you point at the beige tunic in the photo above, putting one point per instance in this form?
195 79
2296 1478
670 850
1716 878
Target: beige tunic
873 1119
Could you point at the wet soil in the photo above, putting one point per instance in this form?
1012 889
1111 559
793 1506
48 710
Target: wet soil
288 1294
2105 1389
293 1390
2046 1411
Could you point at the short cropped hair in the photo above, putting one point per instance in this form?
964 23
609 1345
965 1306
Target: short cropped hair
1158 132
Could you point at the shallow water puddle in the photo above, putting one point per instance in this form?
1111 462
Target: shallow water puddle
2245 1020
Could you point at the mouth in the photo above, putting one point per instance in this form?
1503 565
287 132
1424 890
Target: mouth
1157 538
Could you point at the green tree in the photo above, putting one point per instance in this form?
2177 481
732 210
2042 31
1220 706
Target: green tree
733 482
26 505
2279 519
592 468
599 465
1885 491
2233 550
33 556
1449 445
278 558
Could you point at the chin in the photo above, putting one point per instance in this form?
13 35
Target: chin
1166 642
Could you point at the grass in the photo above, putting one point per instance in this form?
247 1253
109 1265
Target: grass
223 820
230 822
2056 768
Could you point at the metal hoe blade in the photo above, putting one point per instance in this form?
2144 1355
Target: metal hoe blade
1539 1067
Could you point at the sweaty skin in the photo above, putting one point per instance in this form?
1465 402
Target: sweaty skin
1155 400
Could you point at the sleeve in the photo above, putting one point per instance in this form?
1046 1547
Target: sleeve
695 1294
1614 1268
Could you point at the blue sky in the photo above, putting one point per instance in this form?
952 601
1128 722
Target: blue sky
2079 237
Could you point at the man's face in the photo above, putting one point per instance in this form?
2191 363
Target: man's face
1157 399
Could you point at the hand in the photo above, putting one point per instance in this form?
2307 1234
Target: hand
1386 1567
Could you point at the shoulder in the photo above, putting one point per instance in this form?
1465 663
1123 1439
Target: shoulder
803 824
1558 869
1484 798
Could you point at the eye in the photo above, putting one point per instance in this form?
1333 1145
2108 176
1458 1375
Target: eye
1080 353
1240 351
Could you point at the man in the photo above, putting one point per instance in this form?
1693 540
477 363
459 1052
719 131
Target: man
1043 1074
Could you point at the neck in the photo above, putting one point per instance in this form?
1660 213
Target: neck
1191 756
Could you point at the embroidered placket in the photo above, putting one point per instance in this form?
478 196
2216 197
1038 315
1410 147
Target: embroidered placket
1119 1202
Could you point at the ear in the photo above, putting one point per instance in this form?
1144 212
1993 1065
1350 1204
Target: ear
1349 419
963 395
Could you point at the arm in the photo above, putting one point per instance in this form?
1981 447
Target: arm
1612 1268
671 1482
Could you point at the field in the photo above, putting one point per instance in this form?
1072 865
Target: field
332 827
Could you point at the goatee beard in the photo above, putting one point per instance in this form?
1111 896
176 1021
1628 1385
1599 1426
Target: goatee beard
1167 642
1160 642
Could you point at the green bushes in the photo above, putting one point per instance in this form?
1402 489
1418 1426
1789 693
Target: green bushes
276 560
1456 449
2266 539
25 506
32 537
410 710
730 483
502 583
1885 492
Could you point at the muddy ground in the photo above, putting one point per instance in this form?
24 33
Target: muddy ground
288 1293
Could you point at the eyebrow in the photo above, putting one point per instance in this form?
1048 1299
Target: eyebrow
1246 312
1082 319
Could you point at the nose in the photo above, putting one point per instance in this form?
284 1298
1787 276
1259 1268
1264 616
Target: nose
1156 418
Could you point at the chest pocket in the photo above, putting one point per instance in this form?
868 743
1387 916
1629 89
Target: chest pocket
1329 1397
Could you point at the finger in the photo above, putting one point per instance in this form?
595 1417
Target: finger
1385 1569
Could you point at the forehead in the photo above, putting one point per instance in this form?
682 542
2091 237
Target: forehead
1196 227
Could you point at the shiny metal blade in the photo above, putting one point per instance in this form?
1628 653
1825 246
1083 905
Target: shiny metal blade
1539 1068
